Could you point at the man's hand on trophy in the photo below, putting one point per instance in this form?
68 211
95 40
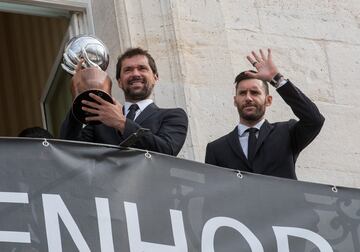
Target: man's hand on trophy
108 113
76 79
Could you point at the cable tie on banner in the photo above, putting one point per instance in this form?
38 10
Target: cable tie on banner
45 143
147 154
334 189
239 174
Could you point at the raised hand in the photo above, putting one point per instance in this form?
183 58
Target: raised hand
108 113
266 69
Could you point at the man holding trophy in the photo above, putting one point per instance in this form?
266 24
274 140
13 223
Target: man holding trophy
139 123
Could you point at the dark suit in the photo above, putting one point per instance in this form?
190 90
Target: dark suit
168 128
278 144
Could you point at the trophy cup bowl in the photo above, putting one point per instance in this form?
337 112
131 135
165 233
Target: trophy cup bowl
91 78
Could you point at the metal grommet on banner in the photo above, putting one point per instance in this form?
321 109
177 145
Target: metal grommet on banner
334 189
239 174
147 154
45 143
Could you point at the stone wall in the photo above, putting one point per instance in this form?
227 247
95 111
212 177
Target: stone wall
200 46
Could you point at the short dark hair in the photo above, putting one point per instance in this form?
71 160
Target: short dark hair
36 132
131 52
243 76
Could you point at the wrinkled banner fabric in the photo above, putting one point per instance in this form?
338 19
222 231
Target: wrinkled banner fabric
69 196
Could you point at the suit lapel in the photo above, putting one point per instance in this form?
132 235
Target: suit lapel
265 129
148 111
233 140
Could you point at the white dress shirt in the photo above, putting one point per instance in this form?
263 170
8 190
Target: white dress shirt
244 135
142 105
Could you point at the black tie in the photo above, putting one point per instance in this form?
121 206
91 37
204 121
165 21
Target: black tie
132 111
251 143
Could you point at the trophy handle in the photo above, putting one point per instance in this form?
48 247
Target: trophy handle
67 69
69 66
88 60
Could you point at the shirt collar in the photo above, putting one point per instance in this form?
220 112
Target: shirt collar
142 104
242 128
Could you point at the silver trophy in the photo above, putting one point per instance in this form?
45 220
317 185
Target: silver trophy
91 76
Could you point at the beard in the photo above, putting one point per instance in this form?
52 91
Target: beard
254 116
139 94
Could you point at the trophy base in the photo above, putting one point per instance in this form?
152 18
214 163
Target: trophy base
80 114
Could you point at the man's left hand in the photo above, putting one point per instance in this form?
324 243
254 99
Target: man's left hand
266 69
108 113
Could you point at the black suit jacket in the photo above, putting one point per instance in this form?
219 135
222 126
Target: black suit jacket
278 145
168 128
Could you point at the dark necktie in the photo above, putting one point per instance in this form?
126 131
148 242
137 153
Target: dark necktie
252 143
132 111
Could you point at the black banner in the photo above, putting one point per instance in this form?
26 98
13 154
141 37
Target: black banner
68 196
